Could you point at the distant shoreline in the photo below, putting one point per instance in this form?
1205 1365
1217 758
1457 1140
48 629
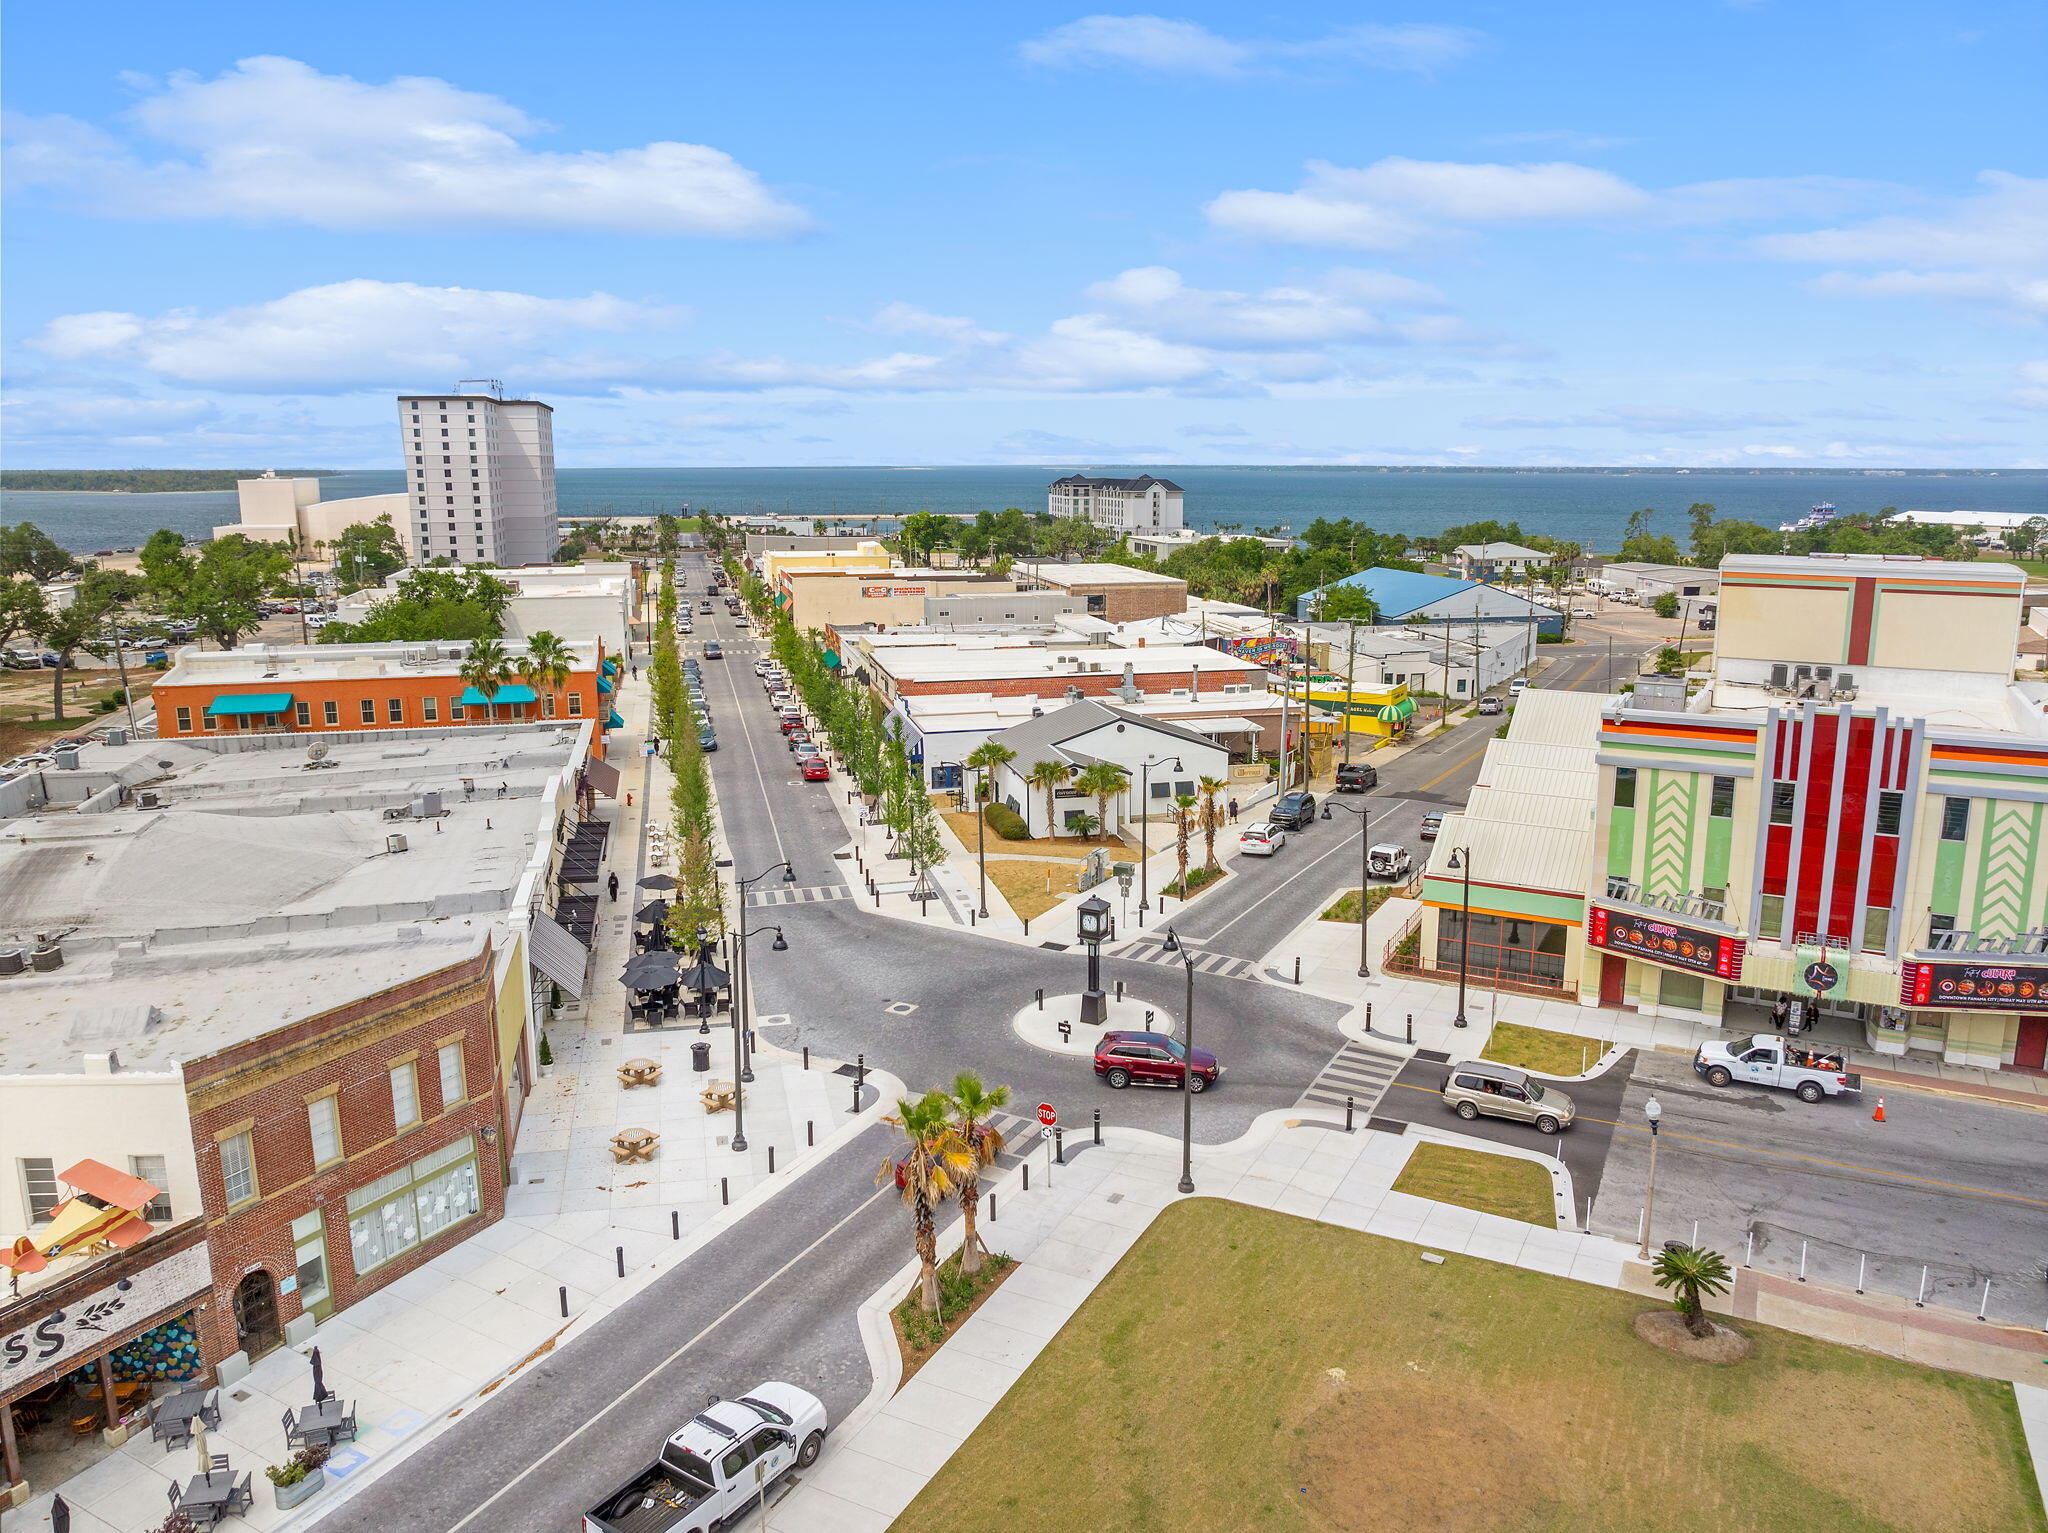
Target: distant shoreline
120 492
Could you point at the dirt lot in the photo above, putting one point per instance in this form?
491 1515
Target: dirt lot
1073 847
1245 1369
1033 886
25 704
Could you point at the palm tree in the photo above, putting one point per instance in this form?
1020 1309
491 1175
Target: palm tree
1183 822
1690 1272
985 758
548 662
1048 775
487 668
930 1167
1211 820
974 1107
1104 779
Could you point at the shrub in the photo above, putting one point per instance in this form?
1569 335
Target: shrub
297 1467
1197 879
1006 822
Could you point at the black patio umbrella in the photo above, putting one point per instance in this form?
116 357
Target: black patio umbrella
319 1379
660 881
653 910
704 977
60 1515
650 971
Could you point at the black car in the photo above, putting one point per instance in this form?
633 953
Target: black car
1357 778
1294 811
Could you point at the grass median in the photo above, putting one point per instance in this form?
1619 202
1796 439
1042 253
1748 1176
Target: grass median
1244 1369
1541 1050
1493 1184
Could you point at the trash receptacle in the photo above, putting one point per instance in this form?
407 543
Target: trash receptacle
700 1057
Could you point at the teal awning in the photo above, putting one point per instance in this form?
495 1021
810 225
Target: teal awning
604 687
831 660
471 698
248 702
613 721
1393 713
611 666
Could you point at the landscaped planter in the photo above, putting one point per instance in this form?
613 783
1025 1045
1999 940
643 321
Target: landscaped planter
289 1496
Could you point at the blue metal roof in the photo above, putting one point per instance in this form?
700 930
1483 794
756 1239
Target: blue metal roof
1398 592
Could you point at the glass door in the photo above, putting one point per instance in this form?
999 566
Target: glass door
309 1240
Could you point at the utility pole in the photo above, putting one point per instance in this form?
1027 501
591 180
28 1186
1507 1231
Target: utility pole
1350 688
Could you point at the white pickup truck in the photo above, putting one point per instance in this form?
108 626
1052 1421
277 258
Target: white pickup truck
1767 1060
709 1473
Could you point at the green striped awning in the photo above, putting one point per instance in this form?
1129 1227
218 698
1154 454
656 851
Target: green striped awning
245 703
1393 713
472 698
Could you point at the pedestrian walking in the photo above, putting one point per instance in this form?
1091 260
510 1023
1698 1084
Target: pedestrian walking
1233 811
1780 1010
612 883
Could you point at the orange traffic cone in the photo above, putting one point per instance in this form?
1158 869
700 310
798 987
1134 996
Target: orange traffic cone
1878 1116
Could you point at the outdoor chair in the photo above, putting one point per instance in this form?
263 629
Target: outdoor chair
346 1432
176 1492
293 1436
209 1408
242 1497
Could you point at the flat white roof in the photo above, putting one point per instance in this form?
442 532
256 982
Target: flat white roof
936 663
283 664
1092 574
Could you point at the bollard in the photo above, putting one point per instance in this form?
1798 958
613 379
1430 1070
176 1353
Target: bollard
1368 1016
1749 1250
1041 998
1862 1262
1589 1216
771 1160
1348 1104
1059 1154
878 899
619 1254
1119 990
1027 926
1411 1027
1098 1125
1802 1261
1921 1301
970 920
675 1225
1027 1176
724 1190
564 1293
1984 1303
807 1056
991 1208
810 1132
860 1079
1695 1223
1297 968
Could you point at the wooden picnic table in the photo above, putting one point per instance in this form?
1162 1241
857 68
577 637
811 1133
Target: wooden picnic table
634 1144
717 1096
639 1072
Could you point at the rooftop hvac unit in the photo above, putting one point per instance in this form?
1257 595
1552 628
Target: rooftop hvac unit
1845 685
67 758
148 798
427 805
48 958
12 961
118 735
394 843
1781 678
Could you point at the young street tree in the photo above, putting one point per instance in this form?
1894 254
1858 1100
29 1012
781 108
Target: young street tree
1692 1273
974 1109
1047 776
930 1166
366 552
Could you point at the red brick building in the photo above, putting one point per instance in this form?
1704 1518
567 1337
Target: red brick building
341 1151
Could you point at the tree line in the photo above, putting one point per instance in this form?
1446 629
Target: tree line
161 480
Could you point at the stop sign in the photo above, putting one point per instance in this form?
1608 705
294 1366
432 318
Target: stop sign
1046 1115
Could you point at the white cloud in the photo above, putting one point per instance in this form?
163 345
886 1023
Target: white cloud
2032 394
907 319
1397 203
1331 309
1644 420
273 140
1990 248
343 336
1166 46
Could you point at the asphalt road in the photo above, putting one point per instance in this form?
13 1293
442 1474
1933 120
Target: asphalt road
1955 1185
1416 1096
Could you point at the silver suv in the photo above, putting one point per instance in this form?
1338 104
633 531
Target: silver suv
1477 1086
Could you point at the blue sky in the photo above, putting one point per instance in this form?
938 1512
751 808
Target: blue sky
1696 232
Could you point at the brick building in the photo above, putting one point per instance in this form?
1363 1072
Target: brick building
337 1153
319 688
1116 593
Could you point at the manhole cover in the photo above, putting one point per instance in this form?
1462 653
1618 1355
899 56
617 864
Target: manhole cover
1057 947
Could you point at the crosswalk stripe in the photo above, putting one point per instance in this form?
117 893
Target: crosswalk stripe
1222 964
1356 1071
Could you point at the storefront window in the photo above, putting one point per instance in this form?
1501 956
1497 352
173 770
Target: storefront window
309 1241
413 1204
1686 992
1503 947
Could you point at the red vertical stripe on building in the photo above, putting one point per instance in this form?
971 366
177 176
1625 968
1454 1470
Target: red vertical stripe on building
1861 606
1844 919
1814 825
1777 856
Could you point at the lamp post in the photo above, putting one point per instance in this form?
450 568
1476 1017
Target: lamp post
1364 873
742 1064
1145 846
1653 1112
1093 924
1461 857
1187 1094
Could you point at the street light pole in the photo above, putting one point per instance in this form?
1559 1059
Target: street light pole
1187 1091
1653 1112
742 1066
1462 857
1144 845
1364 873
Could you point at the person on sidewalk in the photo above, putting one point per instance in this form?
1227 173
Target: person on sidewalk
1780 1010
1233 811
612 884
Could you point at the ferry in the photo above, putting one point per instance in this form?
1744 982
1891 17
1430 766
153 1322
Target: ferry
1818 516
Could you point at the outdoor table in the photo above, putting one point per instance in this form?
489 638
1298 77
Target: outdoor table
207 1493
639 1072
175 1411
318 1422
717 1096
634 1144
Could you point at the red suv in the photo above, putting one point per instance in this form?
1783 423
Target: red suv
1153 1059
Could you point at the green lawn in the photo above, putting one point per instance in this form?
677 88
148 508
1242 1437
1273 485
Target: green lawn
1346 908
1243 1369
1541 1050
1493 1184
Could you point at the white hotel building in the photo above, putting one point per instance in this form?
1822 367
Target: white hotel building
480 477
1144 504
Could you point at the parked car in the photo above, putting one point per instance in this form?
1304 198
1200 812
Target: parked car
711 1471
1388 860
1294 811
815 769
1261 840
808 751
1491 704
1768 1060
1479 1087
707 741
713 652
1357 778
791 721
1152 1059
1582 612
1518 686
796 737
